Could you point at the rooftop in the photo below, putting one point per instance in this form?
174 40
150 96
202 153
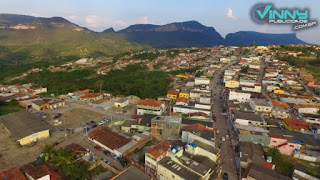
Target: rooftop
150 102
259 172
297 136
122 100
260 102
276 103
23 123
12 174
172 119
159 149
178 169
108 138
132 173
252 152
90 95
206 147
247 116
173 92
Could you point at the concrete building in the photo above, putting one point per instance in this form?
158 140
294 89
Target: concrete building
232 83
91 97
166 127
132 173
189 109
260 105
156 154
239 96
198 132
25 127
150 106
196 147
121 103
202 81
248 119
307 108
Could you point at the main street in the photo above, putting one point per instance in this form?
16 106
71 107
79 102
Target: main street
222 123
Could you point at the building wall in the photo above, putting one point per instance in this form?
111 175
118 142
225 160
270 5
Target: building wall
150 161
256 139
166 174
199 151
162 130
199 81
203 106
171 96
280 115
122 105
34 137
189 110
249 123
241 97
141 110
232 84
185 95
308 110
188 137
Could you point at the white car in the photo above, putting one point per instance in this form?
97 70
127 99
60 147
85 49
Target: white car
102 123
227 136
223 139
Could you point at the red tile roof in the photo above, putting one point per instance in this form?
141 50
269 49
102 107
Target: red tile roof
279 136
159 149
173 92
33 171
196 126
76 148
108 138
182 99
12 174
267 165
53 175
297 124
306 106
149 102
86 91
90 95
276 103
198 114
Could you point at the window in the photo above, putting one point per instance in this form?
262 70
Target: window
172 176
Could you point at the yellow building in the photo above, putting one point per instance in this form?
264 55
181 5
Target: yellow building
172 94
27 127
232 83
184 94
182 76
278 91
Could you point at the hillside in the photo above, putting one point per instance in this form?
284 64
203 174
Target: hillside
57 37
184 34
264 39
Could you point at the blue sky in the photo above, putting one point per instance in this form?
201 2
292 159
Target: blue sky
225 16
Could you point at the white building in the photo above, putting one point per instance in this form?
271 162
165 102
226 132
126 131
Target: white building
256 88
239 96
202 81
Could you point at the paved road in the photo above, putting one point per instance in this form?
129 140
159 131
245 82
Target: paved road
260 78
225 127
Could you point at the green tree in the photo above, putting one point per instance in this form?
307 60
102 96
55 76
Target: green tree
62 157
48 152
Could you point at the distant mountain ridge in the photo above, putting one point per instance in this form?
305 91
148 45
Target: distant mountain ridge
38 36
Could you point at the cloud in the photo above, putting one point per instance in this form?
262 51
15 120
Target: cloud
143 20
100 23
228 14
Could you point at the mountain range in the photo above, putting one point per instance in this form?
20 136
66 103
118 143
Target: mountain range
37 36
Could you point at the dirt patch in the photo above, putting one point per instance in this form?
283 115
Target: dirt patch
75 117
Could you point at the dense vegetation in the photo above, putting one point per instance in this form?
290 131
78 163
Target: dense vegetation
10 107
133 80
282 164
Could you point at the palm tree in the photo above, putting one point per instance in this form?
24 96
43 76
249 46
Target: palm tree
48 152
62 157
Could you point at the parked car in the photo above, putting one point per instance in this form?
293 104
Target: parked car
60 114
122 161
105 161
114 156
98 148
93 125
101 123
227 136
223 139
106 119
55 117
92 122
225 176
83 125
106 152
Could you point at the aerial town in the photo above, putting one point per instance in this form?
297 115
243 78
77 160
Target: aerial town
241 114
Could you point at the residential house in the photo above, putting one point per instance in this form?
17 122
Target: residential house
197 147
121 103
251 153
307 108
172 94
156 154
248 118
232 83
184 93
181 101
254 88
198 132
166 127
150 106
283 145
27 127
91 97
12 174
260 105
39 105
257 172
280 110
239 96
202 81
41 172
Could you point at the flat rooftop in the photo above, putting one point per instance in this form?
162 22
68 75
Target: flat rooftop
247 116
23 123
132 173
260 102
172 119
206 147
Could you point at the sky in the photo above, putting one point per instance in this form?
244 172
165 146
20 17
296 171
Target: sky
226 16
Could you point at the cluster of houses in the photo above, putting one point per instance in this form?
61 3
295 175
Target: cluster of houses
20 92
269 108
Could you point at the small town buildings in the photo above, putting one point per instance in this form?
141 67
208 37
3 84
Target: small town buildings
197 147
255 88
232 83
260 105
166 127
202 81
172 94
156 154
198 132
190 109
181 101
248 119
239 96
25 127
150 106
283 145
109 140
91 97
121 103
184 93
39 105
280 110
307 109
